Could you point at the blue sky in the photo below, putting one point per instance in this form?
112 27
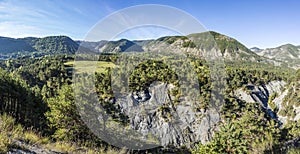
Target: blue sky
262 23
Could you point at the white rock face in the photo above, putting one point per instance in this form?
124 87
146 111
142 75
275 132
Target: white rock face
261 93
182 125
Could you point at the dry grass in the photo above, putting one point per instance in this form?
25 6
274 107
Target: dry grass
11 132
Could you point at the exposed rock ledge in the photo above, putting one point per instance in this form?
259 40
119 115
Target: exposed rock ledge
262 93
182 125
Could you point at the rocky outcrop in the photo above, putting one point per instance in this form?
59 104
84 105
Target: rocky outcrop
261 94
172 124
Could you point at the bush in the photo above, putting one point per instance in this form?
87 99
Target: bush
9 132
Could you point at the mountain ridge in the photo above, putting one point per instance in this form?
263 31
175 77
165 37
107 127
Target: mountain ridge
34 45
287 53
230 48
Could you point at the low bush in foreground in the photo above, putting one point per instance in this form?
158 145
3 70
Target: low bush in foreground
13 134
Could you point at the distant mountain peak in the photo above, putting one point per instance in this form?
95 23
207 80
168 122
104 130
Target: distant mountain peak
122 45
200 44
288 46
287 53
255 49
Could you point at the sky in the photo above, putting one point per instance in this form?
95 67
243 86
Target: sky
259 23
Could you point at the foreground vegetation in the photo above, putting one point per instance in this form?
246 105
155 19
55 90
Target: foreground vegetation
15 136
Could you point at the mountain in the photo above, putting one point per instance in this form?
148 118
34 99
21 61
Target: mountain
55 44
94 46
229 47
204 44
283 52
11 47
198 44
256 49
287 53
122 45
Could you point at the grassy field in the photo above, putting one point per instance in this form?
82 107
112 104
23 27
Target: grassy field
89 66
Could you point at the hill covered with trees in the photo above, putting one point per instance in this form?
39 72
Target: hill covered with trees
30 46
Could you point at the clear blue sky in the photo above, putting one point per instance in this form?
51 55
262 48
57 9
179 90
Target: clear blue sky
262 23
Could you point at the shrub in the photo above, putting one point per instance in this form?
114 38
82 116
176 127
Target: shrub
9 132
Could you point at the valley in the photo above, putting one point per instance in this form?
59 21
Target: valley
200 93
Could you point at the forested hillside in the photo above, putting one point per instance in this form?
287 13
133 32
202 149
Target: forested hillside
36 47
